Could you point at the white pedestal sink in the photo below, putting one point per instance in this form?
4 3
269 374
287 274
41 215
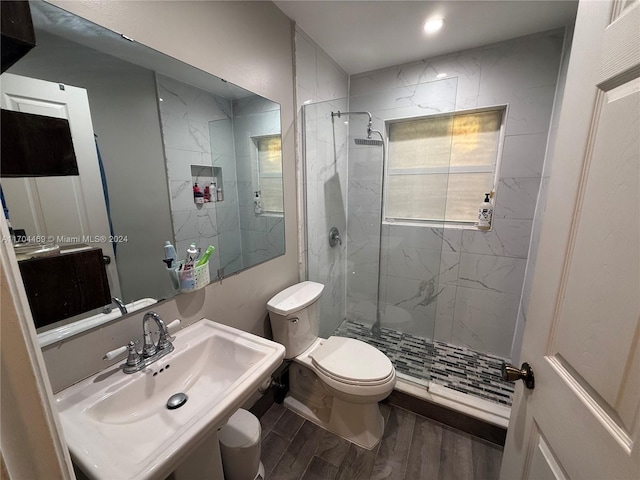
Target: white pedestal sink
118 425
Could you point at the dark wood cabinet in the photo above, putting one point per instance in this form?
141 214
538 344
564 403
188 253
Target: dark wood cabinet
36 146
65 285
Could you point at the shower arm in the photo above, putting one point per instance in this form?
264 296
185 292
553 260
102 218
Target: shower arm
369 126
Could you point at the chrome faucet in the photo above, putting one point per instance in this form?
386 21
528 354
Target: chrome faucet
151 351
149 347
119 303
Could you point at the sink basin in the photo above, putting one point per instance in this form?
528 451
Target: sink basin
119 426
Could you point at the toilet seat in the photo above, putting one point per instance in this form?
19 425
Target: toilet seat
351 362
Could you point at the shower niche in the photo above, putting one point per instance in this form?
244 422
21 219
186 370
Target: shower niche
207 184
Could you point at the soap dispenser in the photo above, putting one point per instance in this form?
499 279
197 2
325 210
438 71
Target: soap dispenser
257 203
485 213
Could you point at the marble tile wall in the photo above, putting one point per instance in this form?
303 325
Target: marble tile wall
458 286
322 87
541 201
200 128
185 113
262 236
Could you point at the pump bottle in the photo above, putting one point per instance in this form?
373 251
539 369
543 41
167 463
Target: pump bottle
485 213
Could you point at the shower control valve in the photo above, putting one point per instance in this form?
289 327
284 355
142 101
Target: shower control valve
334 237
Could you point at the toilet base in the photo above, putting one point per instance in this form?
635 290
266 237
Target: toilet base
362 424
260 475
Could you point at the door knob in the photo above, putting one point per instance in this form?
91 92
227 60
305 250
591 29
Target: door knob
524 373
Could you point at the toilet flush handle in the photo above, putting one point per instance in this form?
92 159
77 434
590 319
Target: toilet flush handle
294 320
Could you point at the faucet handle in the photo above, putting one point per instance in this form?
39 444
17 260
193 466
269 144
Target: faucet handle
173 325
110 355
133 358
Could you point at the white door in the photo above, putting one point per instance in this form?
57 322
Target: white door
68 208
581 420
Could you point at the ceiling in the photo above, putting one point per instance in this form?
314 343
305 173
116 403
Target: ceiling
367 35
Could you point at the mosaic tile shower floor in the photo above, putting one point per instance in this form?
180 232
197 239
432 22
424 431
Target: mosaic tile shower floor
458 368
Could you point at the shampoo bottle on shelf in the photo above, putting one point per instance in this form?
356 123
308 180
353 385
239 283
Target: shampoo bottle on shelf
198 196
214 192
485 213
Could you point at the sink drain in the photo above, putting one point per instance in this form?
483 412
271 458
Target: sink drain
176 401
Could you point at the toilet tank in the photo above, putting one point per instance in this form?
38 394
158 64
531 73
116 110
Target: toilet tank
294 315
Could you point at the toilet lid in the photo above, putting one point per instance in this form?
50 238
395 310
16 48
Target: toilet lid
295 298
351 360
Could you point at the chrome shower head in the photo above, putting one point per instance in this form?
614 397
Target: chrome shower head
368 141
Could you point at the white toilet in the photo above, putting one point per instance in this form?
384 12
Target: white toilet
335 383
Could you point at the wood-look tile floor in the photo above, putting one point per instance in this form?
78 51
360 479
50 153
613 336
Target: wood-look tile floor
413 448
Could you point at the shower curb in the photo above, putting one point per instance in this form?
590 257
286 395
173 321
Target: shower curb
478 428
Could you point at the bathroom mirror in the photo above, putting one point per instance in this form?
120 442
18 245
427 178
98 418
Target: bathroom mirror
182 156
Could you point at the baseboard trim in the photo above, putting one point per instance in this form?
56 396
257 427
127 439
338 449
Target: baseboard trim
485 410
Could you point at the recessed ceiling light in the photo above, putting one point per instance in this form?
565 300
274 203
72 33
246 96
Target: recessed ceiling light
433 24
441 75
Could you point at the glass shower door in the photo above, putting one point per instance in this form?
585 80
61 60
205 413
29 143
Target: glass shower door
398 273
387 283
325 165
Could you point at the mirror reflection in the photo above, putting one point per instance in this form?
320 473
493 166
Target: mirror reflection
166 153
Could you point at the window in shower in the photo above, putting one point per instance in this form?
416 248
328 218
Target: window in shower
440 166
269 155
